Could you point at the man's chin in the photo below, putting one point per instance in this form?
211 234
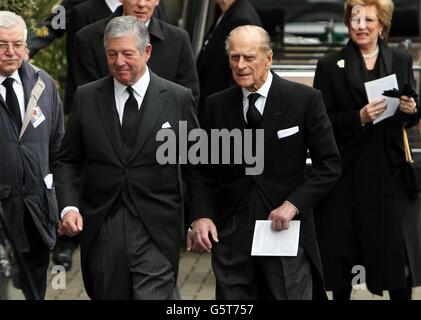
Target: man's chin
244 83
8 71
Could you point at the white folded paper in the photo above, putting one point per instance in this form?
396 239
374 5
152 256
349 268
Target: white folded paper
374 90
267 242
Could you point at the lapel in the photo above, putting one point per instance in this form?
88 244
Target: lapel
155 29
386 59
28 76
152 105
235 107
276 105
105 103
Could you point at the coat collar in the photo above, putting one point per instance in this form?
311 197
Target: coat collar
155 29
153 103
356 72
28 76
276 106
105 103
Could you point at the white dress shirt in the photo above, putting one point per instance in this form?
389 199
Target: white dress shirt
139 89
18 87
113 4
261 101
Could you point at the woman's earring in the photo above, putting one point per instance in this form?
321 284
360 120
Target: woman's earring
381 34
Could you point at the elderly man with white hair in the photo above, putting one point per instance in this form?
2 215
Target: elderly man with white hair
31 130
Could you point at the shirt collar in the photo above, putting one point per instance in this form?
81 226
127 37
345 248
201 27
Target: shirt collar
139 87
113 4
263 90
15 75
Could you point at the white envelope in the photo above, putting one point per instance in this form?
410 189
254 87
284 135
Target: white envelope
287 132
166 125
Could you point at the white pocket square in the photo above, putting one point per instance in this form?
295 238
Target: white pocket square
166 125
287 132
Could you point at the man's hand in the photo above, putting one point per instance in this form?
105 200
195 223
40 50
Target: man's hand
72 223
281 216
198 239
60 230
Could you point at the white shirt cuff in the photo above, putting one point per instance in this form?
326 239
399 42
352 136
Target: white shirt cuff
67 209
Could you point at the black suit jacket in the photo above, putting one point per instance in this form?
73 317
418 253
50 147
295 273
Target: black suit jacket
376 150
172 56
212 63
215 190
93 171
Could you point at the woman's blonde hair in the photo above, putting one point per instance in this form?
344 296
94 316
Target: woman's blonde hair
384 10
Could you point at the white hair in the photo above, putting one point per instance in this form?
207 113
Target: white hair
9 20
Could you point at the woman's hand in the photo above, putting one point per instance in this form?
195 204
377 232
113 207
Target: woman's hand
372 110
407 105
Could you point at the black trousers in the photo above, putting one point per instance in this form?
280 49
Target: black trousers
242 276
37 260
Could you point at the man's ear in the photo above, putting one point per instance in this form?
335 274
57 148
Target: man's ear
148 51
269 56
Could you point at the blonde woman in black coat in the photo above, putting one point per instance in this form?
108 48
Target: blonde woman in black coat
368 226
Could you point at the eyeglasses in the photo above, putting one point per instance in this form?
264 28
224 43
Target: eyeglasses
357 21
17 45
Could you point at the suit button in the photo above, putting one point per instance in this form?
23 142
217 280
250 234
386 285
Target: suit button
20 143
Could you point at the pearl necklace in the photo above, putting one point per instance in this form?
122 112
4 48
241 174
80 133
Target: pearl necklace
372 54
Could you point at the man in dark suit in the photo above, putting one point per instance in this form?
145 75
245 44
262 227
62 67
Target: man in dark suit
226 202
89 11
81 15
212 62
31 130
172 59
108 172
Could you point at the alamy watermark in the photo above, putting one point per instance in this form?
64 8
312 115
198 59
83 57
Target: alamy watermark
59 19
222 146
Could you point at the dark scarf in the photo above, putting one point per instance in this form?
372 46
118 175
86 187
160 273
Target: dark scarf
356 73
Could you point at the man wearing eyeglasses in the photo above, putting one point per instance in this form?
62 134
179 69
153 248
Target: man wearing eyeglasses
31 130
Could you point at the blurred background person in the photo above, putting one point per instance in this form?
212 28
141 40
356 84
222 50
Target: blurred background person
88 11
368 219
212 63
172 59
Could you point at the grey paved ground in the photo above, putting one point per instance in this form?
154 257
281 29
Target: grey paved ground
196 281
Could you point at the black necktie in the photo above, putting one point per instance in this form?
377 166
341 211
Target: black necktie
128 128
12 101
253 115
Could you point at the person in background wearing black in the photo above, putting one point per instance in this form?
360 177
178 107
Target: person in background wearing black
368 220
172 59
212 63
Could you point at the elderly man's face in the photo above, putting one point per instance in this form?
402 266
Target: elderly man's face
142 9
249 63
12 50
126 63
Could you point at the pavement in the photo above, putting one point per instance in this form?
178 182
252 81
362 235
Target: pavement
196 281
